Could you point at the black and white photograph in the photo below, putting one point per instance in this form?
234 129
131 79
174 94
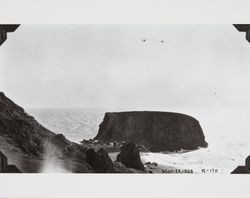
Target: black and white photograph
114 98
120 98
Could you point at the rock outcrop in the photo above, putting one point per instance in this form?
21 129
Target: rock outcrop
28 145
243 169
130 157
157 131
100 161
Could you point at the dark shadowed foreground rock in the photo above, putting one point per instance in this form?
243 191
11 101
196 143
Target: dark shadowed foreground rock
100 161
130 156
243 169
29 145
157 131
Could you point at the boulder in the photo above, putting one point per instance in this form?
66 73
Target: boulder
157 131
100 161
130 156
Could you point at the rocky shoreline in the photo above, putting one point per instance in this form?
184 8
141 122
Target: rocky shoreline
30 146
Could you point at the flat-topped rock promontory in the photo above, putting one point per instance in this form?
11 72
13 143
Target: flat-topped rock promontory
157 131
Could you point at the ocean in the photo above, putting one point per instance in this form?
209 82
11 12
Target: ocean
227 131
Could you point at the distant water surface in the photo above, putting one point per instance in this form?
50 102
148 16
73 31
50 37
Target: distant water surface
76 123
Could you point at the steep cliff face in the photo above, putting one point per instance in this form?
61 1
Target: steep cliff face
158 131
29 145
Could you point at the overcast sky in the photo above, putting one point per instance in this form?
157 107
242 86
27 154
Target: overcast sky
112 66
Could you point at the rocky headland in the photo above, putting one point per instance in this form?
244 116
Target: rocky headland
30 147
156 131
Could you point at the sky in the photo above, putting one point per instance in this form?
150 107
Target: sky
126 66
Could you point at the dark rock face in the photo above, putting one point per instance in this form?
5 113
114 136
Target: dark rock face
17 126
130 156
100 161
243 169
157 131
26 143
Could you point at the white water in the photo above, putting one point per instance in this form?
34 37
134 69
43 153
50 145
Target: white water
227 130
